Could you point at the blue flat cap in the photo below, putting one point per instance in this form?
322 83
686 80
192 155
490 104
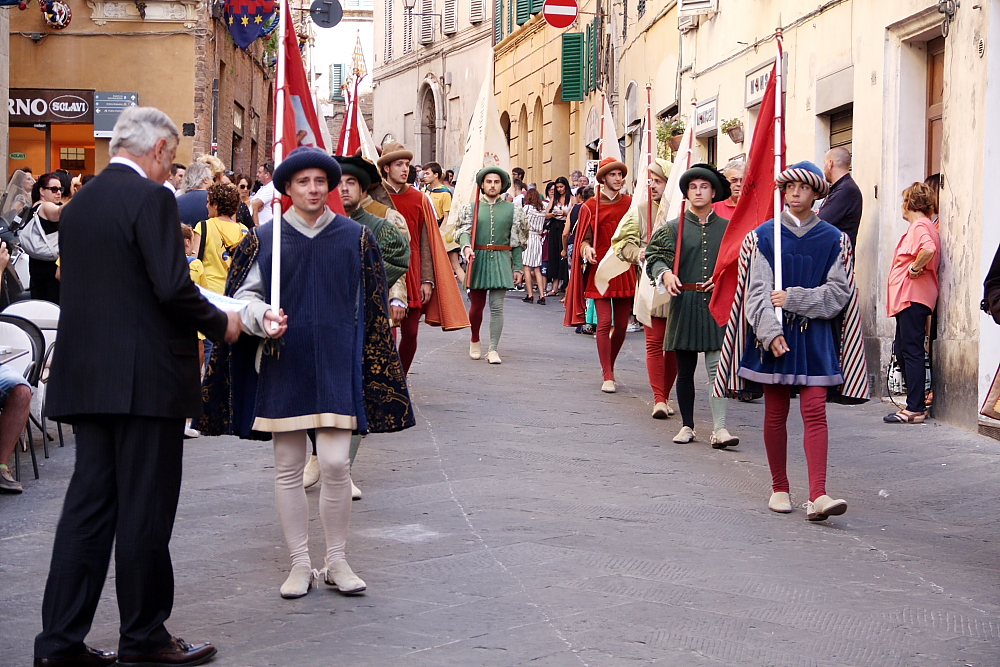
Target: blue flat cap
306 157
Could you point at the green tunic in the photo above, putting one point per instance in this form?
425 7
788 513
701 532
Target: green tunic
690 325
500 223
392 244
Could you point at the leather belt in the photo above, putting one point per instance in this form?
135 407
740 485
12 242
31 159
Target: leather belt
691 287
493 247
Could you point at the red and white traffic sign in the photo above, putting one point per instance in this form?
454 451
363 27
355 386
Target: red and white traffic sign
560 13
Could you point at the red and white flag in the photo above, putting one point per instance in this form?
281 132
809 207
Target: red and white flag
756 206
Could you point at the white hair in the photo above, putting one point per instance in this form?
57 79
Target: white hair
195 175
139 128
737 165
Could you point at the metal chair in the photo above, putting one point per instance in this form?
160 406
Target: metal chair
45 315
15 337
40 352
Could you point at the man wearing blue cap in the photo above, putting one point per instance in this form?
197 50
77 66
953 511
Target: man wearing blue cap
336 369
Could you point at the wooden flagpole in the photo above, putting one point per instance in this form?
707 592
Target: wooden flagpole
649 162
679 245
279 149
778 145
472 242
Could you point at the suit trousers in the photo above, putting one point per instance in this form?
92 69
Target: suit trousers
124 491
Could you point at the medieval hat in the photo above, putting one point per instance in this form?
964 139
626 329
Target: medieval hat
393 151
804 172
359 168
610 164
306 157
661 168
707 172
504 177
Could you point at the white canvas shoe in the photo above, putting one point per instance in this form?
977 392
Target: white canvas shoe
722 439
355 491
670 409
824 507
686 434
660 411
311 474
493 358
609 387
780 502
298 583
475 351
342 577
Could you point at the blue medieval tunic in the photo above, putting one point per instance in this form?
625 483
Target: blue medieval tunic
336 366
818 289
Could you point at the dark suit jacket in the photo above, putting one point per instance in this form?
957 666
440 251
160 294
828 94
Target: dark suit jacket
127 339
842 208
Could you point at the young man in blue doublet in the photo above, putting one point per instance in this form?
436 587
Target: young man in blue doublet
334 369
800 351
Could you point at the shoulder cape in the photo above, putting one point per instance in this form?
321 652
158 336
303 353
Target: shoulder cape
855 389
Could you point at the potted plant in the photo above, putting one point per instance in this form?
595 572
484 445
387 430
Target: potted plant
669 133
734 128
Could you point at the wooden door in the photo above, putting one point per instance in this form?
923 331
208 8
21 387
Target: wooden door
935 104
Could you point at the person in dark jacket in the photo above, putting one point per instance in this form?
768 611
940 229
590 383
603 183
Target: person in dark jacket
842 207
126 374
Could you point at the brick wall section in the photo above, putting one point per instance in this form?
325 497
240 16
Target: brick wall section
243 80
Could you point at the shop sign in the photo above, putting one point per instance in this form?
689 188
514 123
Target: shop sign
706 117
756 82
18 156
27 106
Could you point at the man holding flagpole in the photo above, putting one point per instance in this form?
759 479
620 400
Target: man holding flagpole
687 274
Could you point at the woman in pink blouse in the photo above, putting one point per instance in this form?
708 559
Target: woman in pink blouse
913 292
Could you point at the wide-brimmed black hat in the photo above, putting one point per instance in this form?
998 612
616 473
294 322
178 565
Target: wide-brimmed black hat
360 168
504 177
306 157
708 173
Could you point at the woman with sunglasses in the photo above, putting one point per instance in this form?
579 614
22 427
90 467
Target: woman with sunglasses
243 215
46 201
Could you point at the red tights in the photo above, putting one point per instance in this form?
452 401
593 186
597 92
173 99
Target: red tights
612 321
477 304
408 330
812 405
660 365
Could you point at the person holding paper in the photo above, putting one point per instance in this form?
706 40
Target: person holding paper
629 244
337 369
691 329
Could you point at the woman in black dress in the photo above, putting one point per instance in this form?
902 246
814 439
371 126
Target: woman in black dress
46 200
556 216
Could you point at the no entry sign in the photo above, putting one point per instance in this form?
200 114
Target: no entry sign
560 13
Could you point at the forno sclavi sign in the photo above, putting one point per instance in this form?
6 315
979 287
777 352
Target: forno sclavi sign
28 106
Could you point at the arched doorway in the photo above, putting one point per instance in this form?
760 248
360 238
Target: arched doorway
521 159
537 142
428 127
505 126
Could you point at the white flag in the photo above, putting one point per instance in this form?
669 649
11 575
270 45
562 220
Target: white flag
609 135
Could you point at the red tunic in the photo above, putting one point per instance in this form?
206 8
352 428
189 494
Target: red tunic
609 215
410 203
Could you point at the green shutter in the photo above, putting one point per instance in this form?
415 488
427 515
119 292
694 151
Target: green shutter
592 57
536 6
510 17
586 58
573 66
497 21
523 11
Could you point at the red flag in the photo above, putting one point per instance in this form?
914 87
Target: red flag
756 206
350 134
301 125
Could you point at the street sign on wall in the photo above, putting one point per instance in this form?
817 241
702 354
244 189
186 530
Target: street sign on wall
560 13
107 108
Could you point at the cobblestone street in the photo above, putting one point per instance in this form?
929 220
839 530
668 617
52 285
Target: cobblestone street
530 519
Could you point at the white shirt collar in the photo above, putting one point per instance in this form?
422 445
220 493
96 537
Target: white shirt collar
128 163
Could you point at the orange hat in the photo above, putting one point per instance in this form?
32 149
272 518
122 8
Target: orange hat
610 164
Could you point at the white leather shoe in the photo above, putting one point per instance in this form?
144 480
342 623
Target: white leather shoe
341 576
722 439
298 583
825 507
475 351
780 502
660 411
686 434
609 387
311 474
355 492
493 357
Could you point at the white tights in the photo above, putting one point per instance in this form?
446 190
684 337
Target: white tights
333 447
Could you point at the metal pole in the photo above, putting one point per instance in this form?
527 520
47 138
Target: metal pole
649 162
279 152
778 145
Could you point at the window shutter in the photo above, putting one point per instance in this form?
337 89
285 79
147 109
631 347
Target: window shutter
586 57
407 31
498 21
336 81
476 13
536 6
573 66
427 21
641 8
387 54
696 7
592 56
510 17
450 23
523 11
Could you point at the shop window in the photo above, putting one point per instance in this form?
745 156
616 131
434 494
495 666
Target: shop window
238 118
712 150
72 159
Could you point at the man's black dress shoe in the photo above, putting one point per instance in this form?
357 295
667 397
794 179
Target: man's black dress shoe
177 653
87 657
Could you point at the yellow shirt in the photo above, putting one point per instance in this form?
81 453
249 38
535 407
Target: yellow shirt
197 271
221 239
442 201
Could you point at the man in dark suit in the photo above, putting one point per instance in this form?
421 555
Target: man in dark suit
126 373
842 207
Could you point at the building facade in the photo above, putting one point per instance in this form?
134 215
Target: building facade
176 55
428 71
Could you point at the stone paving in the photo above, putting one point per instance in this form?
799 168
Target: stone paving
529 519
